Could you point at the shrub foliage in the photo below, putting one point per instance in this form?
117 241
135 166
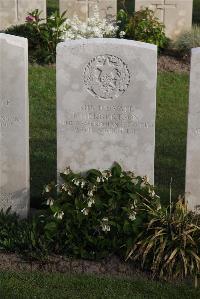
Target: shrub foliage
188 40
97 214
43 36
169 243
143 26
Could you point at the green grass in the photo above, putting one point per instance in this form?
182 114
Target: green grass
46 286
171 127
42 90
171 132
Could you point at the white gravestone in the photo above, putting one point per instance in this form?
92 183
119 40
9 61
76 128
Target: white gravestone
106 105
85 9
175 14
193 138
14 124
14 12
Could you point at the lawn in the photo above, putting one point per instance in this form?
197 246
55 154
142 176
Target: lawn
42 286
171 127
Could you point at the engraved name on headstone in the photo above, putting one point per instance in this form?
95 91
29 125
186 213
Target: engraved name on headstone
106 102
14 124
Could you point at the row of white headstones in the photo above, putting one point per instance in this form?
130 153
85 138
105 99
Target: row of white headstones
175 14
106 108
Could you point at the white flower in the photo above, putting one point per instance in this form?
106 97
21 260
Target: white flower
85 211
105 227
59 215
76 182
47 188
122 34
94 188
94 27
134 181
64 187
132 215
98 179
82 184
105 219
50 202
67 171
69 193
90 193
106 174
91 202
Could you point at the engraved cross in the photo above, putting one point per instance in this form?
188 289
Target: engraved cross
17 9
87 3
162 7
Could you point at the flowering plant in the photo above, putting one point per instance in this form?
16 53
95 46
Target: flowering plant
95 27
143 26
45 34
99 213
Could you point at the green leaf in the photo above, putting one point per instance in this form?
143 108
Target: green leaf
116 170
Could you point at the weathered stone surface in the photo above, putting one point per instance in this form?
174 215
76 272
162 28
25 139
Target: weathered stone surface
86 8
13 12
14 124
8 13
175 14
193 138
106 103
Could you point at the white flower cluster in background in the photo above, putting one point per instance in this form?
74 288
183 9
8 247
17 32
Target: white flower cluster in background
95 27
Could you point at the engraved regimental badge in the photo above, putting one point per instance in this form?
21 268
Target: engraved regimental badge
106 77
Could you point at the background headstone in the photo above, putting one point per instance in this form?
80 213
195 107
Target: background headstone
84 9
26 6
193 138
106 105
175 14
14 124
13 12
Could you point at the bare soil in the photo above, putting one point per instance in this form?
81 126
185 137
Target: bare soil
112 266
173 64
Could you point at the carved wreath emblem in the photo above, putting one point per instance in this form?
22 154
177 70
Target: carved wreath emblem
106 77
